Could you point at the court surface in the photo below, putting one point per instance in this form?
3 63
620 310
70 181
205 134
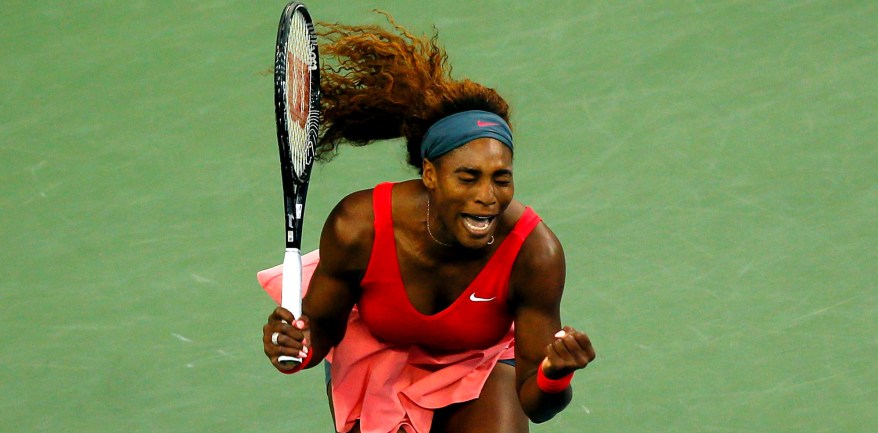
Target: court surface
709 166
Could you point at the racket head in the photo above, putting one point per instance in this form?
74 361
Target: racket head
297 110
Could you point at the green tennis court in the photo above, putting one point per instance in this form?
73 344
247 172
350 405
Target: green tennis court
711 168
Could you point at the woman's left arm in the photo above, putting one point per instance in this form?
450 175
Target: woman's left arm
537 284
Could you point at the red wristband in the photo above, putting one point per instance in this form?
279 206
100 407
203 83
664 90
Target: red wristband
552 386
301 366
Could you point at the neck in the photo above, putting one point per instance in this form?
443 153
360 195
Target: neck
430 232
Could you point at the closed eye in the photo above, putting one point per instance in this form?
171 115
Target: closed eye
503 178
468 175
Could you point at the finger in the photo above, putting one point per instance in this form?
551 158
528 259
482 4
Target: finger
292 352
267 329
570 349
281 314
559 352
576 348
282 339
302 323
294 328
578 342
285 347
271 350
585 343
296 343
554 364
280 327
289 338
552 353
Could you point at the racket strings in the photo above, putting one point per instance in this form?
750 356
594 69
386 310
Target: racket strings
298 94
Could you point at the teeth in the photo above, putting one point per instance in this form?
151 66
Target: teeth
477 223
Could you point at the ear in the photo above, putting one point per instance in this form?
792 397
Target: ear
429 175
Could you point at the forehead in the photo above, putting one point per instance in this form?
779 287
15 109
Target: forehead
481 152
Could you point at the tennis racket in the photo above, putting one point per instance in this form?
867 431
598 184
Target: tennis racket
297 111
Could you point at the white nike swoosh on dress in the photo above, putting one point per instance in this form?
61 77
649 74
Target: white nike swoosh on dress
475 298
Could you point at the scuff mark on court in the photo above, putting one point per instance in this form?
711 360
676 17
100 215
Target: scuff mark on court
181 338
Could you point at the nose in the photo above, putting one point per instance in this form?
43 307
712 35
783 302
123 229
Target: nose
486 195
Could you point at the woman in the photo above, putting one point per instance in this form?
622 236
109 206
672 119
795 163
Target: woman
419 283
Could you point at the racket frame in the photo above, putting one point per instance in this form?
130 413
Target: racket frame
295 183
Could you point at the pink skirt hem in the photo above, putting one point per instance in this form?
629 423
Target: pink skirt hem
389 387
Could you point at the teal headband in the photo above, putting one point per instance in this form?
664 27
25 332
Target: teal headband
458 129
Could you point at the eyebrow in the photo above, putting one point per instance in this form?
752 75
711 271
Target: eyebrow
475 171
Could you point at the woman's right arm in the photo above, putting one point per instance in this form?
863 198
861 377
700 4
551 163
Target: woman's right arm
345 247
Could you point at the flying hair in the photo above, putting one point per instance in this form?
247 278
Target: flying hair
379 84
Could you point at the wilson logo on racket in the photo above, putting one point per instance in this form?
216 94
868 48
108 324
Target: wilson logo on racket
299 93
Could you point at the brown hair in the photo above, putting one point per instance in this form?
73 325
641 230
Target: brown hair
378 84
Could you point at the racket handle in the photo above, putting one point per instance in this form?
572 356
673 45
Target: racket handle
291 292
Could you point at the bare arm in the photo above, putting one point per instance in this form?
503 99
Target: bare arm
538 284
345 246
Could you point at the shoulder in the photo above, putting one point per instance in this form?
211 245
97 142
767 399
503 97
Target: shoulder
541 249
346 240
353 206
541 264
541 246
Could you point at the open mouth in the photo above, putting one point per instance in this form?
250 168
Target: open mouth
478 225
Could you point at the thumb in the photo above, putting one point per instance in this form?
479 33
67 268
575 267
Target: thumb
302 323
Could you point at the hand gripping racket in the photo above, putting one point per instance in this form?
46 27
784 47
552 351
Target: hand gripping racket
297 111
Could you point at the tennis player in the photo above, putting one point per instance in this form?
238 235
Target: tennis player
435 301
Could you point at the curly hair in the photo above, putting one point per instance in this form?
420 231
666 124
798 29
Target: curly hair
378 84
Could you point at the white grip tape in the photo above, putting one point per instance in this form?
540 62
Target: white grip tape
291 282
291 292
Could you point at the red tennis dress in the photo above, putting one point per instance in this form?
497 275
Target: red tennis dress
395 365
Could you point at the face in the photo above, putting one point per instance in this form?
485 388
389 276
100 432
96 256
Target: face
470 187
